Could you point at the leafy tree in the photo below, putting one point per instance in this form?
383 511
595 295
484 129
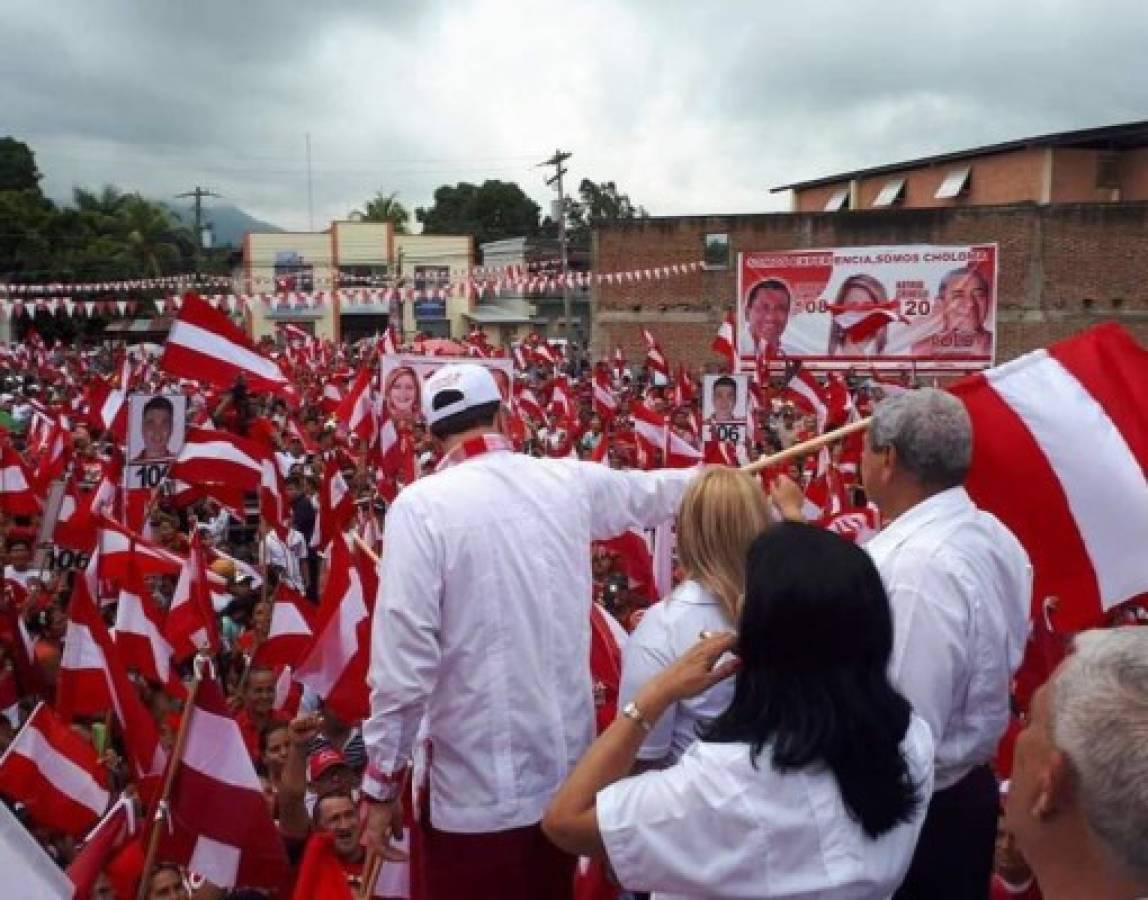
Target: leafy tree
597 202
491 211
386 208
18 170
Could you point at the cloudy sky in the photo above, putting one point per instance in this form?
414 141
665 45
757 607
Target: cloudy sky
691 107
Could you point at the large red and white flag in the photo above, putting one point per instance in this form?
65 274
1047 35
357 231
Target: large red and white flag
215 774
204 345
55 773
725 342
119 547
219 457
605 400
680 453
1060 455
335 667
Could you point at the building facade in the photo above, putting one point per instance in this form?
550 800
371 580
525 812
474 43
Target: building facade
1062 267
1095 165
365 259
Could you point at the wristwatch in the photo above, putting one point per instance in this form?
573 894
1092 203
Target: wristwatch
631 712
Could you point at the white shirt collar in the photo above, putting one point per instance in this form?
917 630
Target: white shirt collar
690 591
936 508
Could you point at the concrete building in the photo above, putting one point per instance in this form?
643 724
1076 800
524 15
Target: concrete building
510 316
352 255
1094 165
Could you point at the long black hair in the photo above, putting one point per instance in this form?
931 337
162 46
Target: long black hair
815 638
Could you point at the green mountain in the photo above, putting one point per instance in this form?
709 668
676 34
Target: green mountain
228 222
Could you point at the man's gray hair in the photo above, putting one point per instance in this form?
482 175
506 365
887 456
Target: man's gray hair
1100 721
931 432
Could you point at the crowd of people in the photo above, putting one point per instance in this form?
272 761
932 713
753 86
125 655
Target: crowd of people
579 664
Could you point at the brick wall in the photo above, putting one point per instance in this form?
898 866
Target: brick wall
1062 268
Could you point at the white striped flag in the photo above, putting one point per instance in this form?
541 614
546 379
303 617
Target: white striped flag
215 775
190 623
16 495
291 631
93 680
206 346
103 842
120 547
724 342
335 667
605 400
336 506
356 412
139 633
274 506
860 322
619 363
213 456
680 453
655 358
1060 453
805 391
649 427
55 773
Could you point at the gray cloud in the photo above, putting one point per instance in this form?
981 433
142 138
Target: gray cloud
689 107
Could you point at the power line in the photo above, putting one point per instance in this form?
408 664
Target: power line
198 193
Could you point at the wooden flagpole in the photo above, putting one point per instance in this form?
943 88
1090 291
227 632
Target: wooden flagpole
169 779
804 447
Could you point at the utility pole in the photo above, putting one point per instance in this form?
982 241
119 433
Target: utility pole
557 160
199 193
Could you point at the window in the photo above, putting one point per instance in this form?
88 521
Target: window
715 251
293 272
838 201
1108 170
956 183
892 192
364 276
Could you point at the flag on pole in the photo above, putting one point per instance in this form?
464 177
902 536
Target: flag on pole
204 345
724 342
1070 425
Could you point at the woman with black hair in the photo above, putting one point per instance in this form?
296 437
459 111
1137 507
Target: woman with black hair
813 782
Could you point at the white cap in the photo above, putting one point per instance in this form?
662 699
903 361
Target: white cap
473 385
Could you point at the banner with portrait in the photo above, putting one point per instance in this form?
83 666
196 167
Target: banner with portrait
725 407
156 426
922 306
404 374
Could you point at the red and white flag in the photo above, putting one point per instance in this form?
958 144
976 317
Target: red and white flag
219 457
55 773
190 623
103 843
649 427
619 363
94 680
605 400
215 774
356 413
725 343
389 342
804 390
655 358
204 345
274 505
119 547
291 632
336 506
139 633
1070 425
860 322
335 667
17 498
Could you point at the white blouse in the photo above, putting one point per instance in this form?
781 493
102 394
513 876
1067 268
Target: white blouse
714 826
667 630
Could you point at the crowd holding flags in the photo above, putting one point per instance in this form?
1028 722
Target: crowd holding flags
130 626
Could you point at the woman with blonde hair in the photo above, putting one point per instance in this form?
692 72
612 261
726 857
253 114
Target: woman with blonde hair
721 513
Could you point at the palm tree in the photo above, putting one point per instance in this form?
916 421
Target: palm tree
385 208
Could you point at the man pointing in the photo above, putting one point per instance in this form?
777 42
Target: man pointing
483 625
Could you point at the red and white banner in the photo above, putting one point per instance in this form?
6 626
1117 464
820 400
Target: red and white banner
932 306
1060 456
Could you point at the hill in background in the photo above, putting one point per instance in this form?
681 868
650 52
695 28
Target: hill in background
228 222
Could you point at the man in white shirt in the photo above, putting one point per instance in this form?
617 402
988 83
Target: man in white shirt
483 624
959 583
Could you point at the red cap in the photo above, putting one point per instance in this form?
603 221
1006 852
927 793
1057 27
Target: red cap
322 761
